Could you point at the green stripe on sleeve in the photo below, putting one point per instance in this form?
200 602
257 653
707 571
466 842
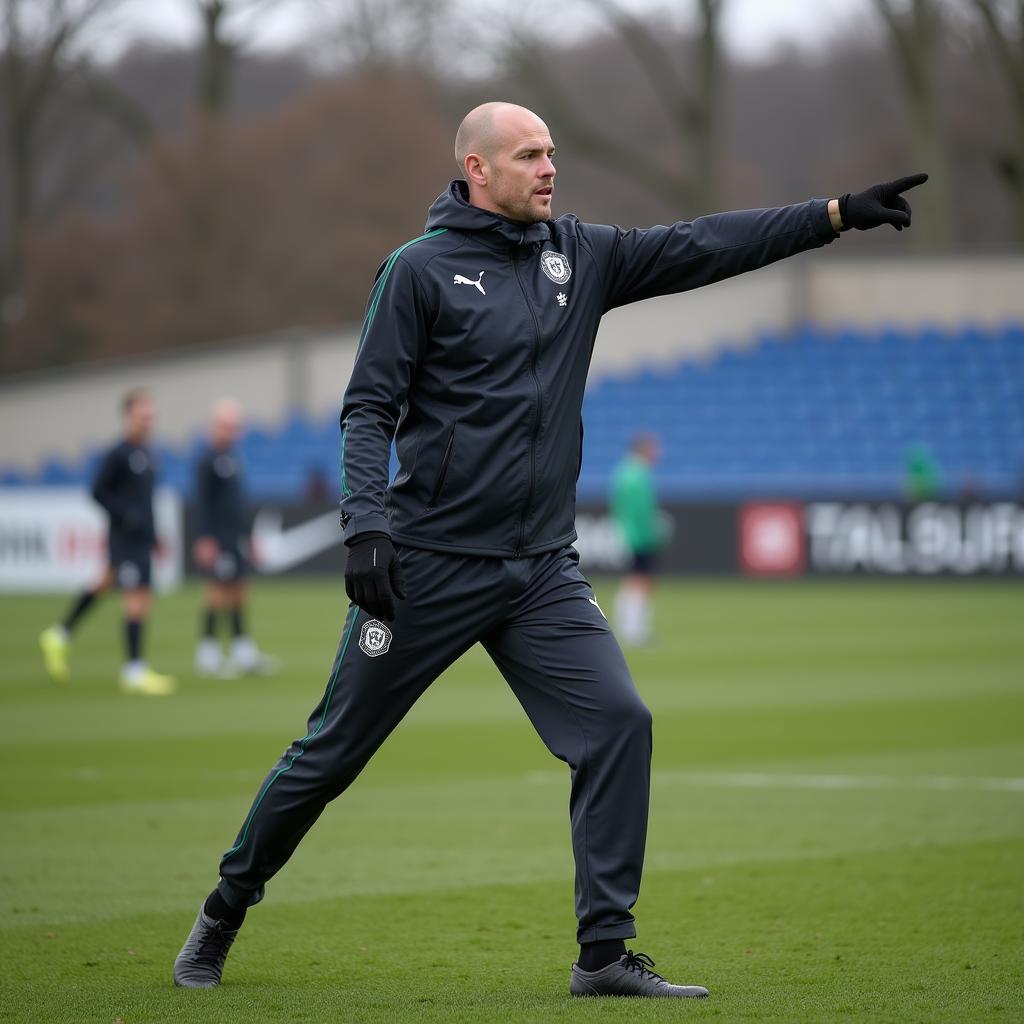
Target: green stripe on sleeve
345 492
378 289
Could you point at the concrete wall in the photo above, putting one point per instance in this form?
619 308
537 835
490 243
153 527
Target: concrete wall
987 291
64 413
829 292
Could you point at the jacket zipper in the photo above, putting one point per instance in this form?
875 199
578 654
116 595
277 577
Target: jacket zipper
538 415
449 448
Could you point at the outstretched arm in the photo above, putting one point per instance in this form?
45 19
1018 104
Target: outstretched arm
641 263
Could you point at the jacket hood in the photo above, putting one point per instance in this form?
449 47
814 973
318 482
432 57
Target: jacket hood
452 209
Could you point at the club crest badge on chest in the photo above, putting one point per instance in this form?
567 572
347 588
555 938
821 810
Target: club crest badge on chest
555 266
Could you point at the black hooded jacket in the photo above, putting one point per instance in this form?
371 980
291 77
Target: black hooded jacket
474 354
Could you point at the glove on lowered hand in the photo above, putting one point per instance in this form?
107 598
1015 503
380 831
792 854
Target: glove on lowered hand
373 575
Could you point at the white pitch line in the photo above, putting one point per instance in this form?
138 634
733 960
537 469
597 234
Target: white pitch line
795 780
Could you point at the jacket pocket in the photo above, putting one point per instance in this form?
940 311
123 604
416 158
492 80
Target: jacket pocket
442 473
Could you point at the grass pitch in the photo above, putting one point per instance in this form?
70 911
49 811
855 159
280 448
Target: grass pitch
837 828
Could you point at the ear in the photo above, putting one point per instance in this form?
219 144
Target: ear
476 170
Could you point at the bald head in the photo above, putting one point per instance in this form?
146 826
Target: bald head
504 151
226 422
476 133
483 128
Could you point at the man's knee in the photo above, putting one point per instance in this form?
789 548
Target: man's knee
627 716
638 718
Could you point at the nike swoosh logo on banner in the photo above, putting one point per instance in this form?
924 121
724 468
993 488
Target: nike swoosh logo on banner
279 548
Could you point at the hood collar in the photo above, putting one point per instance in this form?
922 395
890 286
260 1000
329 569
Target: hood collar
452 209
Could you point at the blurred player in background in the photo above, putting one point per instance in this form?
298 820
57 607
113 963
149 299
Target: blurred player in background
634 508
221 550
124 488
922 476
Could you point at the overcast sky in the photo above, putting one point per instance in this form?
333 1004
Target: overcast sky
752 28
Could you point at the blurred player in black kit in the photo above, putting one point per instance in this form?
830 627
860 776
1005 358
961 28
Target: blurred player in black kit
124 488
221 550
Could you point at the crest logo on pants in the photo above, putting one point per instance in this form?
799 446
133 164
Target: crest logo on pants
374 638
555 266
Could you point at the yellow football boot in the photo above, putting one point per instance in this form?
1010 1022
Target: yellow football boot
53 642
144 681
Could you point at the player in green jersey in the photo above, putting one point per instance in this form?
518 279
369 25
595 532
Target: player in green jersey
635 510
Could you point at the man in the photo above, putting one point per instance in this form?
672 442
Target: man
124 488
220 550
635 511
922 479
473 354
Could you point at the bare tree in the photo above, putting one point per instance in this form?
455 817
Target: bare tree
689 179
916 32
360 35
39 45
252 232
219 46
1005 29
45 62
694 110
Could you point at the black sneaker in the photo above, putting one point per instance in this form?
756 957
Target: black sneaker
630 975
201 960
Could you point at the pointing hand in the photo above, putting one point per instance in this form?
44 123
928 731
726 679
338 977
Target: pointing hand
880 204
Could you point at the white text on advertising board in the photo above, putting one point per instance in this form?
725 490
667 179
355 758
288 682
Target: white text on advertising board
923 539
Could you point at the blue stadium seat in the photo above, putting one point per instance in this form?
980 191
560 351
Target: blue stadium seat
798 413
815 410
56 473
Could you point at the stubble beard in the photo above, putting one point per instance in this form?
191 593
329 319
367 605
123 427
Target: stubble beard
522 210
527 213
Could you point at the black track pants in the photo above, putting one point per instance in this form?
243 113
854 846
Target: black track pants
538 620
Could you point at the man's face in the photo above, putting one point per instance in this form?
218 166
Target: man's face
521 178
140 418
227 428
649 450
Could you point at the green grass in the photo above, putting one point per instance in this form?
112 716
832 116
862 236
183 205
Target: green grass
829 839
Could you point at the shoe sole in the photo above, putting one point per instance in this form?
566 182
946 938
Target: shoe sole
633 995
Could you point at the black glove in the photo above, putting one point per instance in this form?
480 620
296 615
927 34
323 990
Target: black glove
880 204
373 575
